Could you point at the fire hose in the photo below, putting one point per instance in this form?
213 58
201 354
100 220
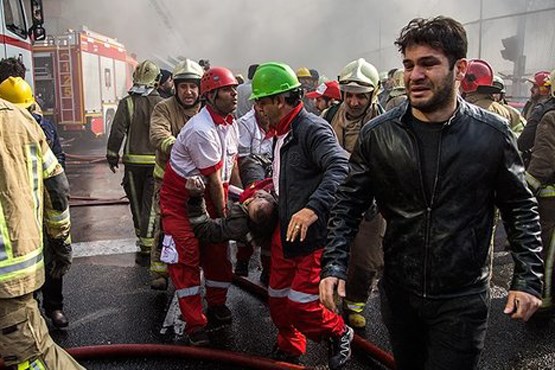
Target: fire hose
79 201
175 351
210 354
378 354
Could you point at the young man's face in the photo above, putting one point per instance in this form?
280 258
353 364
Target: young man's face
430 83
226 99
187 92
271 109
322 103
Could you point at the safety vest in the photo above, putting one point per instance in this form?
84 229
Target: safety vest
25 161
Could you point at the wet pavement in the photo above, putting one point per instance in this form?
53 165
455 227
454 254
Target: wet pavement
109 301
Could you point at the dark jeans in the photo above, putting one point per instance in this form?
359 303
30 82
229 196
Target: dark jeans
435 333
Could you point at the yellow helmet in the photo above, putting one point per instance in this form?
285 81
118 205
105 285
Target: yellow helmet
188 70
303 72
146 74
17 91
359 76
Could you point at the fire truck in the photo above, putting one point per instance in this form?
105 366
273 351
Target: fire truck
80 76
15 38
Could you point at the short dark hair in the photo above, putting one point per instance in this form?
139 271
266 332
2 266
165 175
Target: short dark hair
265 221
291 97
391 72
441 33
252 71
11 67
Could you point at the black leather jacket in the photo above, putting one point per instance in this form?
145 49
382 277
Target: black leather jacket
312 165
439 247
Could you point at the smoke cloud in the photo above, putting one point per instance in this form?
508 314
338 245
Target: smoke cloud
321 34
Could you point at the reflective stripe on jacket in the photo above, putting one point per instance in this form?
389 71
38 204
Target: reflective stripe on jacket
26 161
132 122
168 117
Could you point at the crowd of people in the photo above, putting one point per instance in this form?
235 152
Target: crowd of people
397 180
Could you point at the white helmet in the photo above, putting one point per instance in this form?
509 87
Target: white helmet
359 76
188 70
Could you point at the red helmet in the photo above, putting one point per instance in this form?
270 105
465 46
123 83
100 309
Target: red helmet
328 88
216 78
541 79
478 73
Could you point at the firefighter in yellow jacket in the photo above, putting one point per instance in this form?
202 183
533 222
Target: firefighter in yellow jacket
168 117
33 188
132 122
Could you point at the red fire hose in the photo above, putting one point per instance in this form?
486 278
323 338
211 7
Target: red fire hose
175 351
383 357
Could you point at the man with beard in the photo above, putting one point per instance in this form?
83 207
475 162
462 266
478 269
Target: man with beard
539 92
168 117
360 85
207 147
437 166
165 89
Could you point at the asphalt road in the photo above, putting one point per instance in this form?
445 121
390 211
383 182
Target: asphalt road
108 298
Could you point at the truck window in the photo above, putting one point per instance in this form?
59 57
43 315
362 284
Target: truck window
14 17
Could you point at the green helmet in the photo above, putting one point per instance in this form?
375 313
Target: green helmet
273 78
147 73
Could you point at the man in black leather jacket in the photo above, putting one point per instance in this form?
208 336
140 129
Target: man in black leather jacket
437 167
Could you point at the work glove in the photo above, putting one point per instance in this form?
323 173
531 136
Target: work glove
195 186
62 256
113 162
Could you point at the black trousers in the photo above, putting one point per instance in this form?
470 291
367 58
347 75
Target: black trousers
52 290
435 333
52 295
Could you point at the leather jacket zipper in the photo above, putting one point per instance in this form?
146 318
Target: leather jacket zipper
429 203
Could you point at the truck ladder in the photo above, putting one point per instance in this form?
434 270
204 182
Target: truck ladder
65 79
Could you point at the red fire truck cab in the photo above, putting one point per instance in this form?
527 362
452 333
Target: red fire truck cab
80 76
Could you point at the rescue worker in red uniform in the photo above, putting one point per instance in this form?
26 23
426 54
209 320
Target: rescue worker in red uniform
132 123
207 146
256 140
308 166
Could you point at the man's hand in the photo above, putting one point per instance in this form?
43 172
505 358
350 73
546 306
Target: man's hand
327 292
113 162
521 305
299 224
195 186
62 257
